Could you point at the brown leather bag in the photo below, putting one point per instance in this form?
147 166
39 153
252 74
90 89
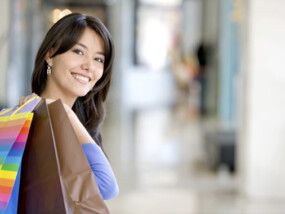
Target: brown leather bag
56 176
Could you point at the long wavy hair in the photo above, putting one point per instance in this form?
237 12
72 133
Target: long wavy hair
61 37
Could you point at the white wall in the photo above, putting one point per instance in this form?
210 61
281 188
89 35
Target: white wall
148 88
4 48
191 25
262 147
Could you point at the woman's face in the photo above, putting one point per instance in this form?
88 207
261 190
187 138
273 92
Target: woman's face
75 72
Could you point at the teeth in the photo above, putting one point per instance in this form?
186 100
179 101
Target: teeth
86 79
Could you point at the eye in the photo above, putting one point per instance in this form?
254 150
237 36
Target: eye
98 59
77 51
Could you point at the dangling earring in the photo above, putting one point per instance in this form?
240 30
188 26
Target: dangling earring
48 70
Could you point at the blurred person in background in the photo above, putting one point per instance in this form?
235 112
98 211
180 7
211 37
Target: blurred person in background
202 58
185 70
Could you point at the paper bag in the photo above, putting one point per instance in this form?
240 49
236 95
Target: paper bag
56 176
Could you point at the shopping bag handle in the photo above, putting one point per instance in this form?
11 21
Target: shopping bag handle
22 106
4 112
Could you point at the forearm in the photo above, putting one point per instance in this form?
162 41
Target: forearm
99 164
102 170
80 131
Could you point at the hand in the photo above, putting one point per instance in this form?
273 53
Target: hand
25 99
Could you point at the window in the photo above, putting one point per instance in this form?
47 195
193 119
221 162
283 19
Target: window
157 24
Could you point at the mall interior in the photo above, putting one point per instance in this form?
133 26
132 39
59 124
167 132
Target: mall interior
195 119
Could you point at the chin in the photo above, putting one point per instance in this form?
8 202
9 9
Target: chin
82 94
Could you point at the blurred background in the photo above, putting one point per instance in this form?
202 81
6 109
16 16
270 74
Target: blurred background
195 117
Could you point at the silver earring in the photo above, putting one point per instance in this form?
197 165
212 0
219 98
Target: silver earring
48 70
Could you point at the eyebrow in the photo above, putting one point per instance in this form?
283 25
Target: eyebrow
84 46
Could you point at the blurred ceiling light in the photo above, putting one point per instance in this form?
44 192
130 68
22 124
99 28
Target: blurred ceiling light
238 11
57 14
162 2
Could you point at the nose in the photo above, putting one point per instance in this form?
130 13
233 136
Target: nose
88 65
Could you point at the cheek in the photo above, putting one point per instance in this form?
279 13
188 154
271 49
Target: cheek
99 74
61 66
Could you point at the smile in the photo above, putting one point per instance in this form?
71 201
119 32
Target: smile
81 79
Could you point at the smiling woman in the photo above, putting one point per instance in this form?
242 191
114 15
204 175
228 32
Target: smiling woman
74 73
74 64
76 47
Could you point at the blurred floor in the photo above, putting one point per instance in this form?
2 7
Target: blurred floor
169 174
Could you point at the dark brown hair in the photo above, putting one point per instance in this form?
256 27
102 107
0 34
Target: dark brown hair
61 37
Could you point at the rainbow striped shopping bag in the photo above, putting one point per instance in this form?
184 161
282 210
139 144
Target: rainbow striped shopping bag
14 129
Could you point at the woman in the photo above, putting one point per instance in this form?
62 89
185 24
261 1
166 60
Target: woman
74 64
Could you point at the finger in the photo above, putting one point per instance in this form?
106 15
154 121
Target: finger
29 97
34 94
25 99
21 102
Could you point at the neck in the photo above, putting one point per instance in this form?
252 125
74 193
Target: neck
55 96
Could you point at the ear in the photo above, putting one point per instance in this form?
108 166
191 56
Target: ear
48 58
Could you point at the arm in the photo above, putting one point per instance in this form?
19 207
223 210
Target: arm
102 170
99 164
80 131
